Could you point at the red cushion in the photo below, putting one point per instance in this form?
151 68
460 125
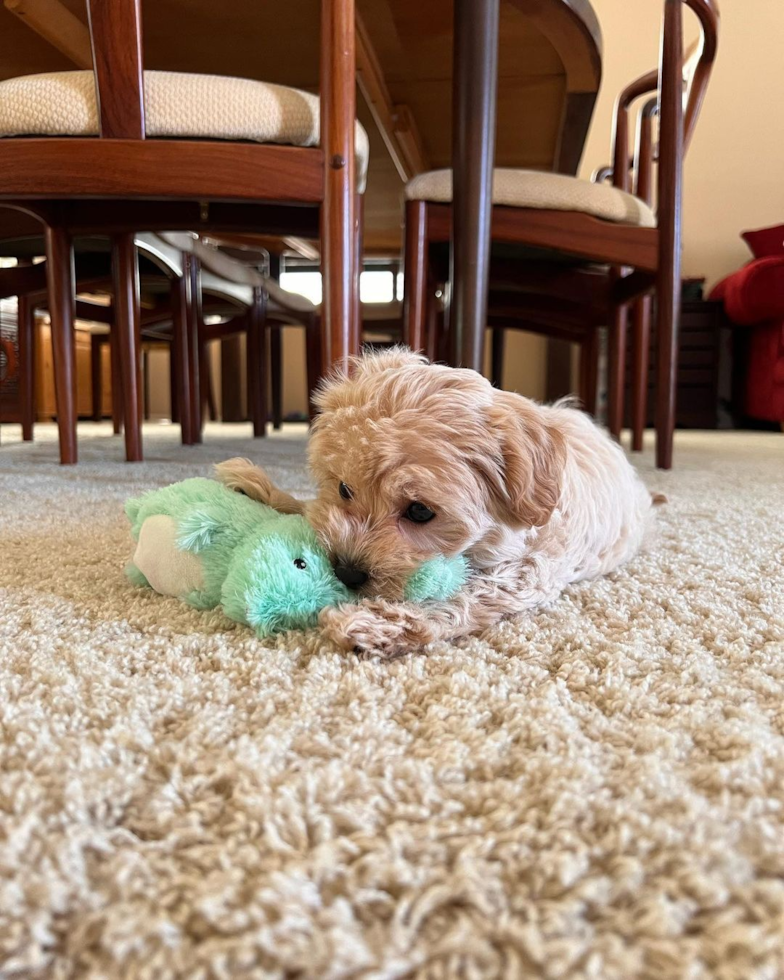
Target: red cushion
764 388
754 293
765 241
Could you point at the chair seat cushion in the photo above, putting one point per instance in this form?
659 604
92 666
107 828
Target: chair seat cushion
177 104
543 191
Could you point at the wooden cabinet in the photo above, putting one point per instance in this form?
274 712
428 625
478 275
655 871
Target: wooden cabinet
697 395
46 405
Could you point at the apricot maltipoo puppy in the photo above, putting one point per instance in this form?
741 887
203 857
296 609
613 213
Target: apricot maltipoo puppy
414 460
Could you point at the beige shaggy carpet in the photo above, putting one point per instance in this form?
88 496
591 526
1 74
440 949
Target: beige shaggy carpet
595 790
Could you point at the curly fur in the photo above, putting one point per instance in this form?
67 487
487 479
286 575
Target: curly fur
536 496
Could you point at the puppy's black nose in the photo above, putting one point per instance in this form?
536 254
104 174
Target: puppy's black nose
350 576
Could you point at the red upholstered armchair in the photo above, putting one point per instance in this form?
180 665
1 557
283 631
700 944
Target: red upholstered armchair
753 297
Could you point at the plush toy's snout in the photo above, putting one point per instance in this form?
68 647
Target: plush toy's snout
281 581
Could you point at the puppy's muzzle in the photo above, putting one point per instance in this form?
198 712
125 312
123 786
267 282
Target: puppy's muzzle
350 575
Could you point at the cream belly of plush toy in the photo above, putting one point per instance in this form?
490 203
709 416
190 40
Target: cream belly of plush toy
168 569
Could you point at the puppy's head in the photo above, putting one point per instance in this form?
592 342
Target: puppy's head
414 460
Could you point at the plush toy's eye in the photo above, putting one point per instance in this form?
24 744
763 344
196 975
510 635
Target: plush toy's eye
419 513
300 563
345 492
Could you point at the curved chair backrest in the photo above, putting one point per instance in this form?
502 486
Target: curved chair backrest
689 70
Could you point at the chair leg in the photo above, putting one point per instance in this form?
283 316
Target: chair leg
359 244
212 403
641 332
180 293
589 370
95 374
415 279
257 362
668 306
497 357
339 260
146 383
62 302
668 283
207 388
174 408
26 334
276 376
128 329
435 323
313 361
445 333
616 371
232 409
114 361
191 273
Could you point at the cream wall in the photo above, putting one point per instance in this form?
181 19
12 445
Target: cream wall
294 383
734 172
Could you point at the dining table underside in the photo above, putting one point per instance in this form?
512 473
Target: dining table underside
404 51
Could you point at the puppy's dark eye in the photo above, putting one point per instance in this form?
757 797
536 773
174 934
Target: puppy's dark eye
300 563
240 490
345 491
419 513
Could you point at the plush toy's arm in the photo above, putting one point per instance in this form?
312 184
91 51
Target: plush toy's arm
198 526
240 474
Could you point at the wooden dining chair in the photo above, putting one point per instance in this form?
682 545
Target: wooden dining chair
176 150
237 298
565 303
28 283
565 218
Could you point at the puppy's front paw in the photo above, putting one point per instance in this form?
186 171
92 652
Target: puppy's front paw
378 628
241 475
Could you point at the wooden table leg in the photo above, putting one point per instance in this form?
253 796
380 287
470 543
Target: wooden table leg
475 73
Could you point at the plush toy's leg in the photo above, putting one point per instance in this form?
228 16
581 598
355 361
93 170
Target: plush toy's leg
200 600
135 577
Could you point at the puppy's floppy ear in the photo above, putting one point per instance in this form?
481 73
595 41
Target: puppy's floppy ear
532 454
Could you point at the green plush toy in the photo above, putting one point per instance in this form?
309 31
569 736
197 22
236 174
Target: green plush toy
209 546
